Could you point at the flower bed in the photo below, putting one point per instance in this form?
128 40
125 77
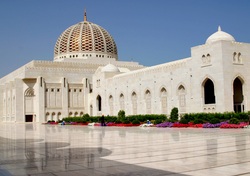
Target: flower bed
165 124
121 124
241 125
216 125
196 125
205 125
180 125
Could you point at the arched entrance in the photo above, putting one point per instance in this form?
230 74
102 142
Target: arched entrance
238 96
99 103
209 95
29 97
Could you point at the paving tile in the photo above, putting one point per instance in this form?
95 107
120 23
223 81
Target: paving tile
36 149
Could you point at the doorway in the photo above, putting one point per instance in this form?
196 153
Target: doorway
28 118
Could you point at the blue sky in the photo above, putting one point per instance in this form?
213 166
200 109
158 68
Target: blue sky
146 31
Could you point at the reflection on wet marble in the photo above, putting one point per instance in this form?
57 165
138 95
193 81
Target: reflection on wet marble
54 150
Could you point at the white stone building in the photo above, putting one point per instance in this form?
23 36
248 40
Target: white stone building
86 77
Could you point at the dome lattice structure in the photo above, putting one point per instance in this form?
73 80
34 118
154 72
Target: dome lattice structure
85 40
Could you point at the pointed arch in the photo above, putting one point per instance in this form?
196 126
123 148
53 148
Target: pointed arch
91 110
148 101
182 97
29 98
134 102
111 105
59 116
163 98
70 114
238 95
209 92
121 100
99 103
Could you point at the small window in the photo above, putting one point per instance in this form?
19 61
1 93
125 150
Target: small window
69 90
52 90
80 90
58 90
47 90
74 90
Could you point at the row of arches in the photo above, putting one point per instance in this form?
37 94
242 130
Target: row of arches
58 115
238 96
208 93
147 99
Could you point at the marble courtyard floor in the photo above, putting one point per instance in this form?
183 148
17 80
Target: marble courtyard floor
54 150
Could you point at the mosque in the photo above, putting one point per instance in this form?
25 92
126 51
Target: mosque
87 77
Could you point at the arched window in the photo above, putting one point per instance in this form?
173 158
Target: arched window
134 103
148 101
53 116
239 57
99 103
234 56
59 116
209 96
70 114
122 104
91 110
111 106
163 97
182 97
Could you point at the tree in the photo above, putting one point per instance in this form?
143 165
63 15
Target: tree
174 115
121 115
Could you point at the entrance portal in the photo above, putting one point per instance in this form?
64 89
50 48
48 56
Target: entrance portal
238 96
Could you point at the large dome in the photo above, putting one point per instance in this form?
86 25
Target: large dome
219 35
85 40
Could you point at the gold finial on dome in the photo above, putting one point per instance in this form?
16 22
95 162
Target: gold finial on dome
85 15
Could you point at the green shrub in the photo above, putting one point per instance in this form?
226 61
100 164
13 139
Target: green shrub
198 121
234 121
125 121
110 119
118 121
135 122
214 120
183 121
157 121
85 116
